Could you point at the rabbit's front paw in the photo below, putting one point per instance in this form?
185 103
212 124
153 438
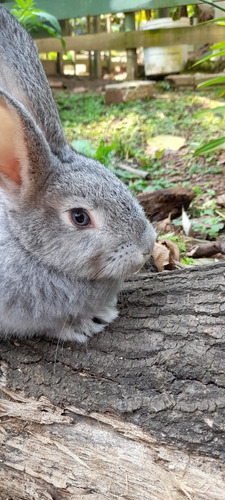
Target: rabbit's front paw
83 330
107 314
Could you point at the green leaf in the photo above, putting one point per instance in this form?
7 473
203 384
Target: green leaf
218 46
45 17
219 79
32 19
84 147
210 146
217 54
214 230
187 260
23 4
218 109
206 58
216 20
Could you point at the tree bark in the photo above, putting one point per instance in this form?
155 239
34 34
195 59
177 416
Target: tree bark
137 413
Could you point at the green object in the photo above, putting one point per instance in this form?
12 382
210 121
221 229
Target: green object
213 81
214 144
210 146
129 21
33 18
77 8
102 153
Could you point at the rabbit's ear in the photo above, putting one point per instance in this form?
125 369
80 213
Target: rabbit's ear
24 153
22 76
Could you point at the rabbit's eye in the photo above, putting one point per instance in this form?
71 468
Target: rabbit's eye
80 217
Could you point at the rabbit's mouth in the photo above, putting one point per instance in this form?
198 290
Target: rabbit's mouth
119 266
136 268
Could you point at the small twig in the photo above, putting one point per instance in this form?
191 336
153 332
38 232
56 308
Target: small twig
135 171
220 214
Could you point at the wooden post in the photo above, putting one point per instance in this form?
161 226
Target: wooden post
97 53
90 69
131 53
108 29
65 27
164 12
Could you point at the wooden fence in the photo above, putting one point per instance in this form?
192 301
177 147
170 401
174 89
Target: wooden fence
67 9
128 40
192 35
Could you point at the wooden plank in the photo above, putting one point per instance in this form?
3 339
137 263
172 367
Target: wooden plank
97 53
131 53
193 35
66 9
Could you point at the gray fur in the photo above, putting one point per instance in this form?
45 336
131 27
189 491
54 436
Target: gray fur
55 278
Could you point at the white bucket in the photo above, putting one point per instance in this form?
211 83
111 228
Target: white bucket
165 60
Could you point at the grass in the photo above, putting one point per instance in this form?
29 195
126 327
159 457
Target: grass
128 128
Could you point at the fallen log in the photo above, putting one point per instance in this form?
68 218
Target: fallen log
138 412
159 204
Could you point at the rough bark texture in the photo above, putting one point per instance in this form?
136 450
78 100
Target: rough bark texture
138 413
158 204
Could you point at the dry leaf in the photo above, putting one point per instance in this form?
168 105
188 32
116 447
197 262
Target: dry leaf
164 226
168 142
221 200
186 223
165 254
222 158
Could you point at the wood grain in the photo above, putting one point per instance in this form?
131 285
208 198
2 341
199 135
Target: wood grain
196 35
136 413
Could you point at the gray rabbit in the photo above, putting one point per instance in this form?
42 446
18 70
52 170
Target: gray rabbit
70 231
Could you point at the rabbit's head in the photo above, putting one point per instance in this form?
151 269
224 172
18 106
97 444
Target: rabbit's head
69 211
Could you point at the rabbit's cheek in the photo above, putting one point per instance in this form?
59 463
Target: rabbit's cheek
95 264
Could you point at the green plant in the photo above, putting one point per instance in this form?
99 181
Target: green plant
176 239
206 218
32 18
210 226
102 153
130 126
217 50
187 261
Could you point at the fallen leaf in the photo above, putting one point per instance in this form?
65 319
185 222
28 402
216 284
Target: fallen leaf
165 255
222 158
169 142
186 223
164 226
221 200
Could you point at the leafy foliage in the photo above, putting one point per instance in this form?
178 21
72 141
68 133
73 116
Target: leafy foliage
216 50
33 19
122 133
102 153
